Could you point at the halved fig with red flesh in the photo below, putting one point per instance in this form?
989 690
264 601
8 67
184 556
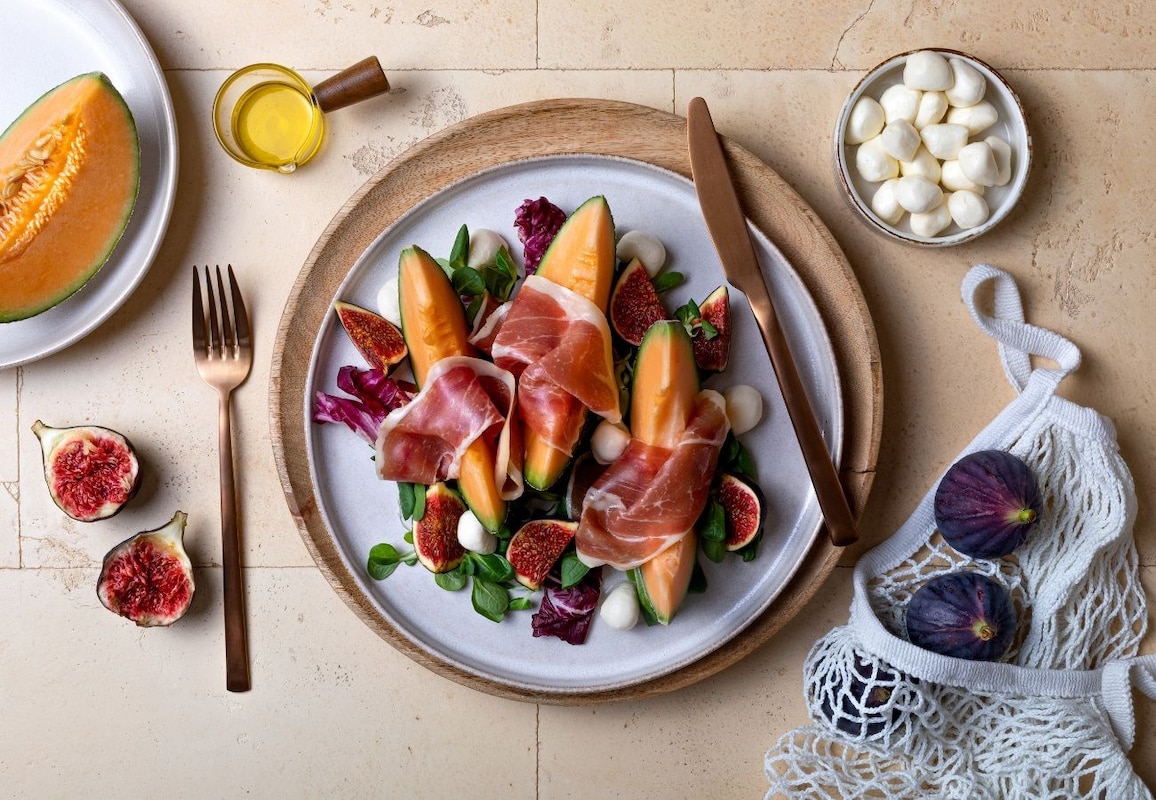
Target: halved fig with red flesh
743 504
536 547
435 535
378 340
91 471
713 354
149 578
634 304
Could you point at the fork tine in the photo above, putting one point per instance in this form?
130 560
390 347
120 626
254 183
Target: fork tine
199 342
239 312
214 328
228 341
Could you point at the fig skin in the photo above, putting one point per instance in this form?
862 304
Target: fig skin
148 578
987 504
963 615
863 703
91 472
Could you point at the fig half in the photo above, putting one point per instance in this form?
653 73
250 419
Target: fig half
713 355
535 548
377 339
987 504
435 535
91 471
149 578
745 511
634 304
962 614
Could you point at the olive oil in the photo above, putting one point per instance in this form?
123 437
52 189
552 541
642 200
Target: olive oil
276 124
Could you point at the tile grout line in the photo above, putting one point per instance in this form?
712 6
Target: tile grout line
19 477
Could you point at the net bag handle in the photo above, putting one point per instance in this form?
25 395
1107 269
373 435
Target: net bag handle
1018 340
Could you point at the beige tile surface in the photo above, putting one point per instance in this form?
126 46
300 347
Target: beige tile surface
335 711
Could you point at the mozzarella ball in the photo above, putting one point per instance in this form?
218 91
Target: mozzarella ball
968 86
900 140
646 248
484 247
865 121
473 536
900 102
1002 152
873 162
917 195
944 140
927 70
884 204
954 180
923 164
931 223
932 107
389 301
744 407
620 609
975 118
968 209
608 442
978 164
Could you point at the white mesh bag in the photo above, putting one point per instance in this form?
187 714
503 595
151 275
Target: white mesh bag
1052 719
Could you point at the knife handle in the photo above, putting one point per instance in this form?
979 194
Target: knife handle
824 477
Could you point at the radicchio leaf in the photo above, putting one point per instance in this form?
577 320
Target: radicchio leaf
374 396
537 222
567 613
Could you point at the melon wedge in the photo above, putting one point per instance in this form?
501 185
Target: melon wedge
69 177
434 324
664 392
581 258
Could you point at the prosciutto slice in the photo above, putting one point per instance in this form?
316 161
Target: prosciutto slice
463 399
649 498
557 344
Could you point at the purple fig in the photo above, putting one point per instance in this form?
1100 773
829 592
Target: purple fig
962 614
987 504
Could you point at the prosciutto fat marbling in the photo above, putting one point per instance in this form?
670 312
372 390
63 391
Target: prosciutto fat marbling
463 399
557 344
651 496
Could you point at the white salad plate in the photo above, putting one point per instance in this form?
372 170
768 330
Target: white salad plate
42 44
359 510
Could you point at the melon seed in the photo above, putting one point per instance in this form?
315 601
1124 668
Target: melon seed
40 153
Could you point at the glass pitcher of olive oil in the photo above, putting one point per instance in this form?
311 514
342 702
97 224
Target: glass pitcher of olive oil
266 116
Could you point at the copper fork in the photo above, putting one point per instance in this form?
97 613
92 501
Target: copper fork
224 355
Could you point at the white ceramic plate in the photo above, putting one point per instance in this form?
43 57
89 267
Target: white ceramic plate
42 44
359 510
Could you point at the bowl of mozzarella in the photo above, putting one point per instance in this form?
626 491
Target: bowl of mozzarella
932 148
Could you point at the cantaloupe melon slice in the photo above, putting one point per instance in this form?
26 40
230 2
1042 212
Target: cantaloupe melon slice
581 258
69 175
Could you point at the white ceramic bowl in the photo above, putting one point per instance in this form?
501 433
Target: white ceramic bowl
1011 127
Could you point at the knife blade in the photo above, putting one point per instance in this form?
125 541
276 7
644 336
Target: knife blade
728 229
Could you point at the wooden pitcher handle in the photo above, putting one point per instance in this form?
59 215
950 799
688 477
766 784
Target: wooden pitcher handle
363 80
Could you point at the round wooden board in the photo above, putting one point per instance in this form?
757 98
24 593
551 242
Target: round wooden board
560 127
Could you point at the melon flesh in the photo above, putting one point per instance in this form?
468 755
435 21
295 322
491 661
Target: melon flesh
69 176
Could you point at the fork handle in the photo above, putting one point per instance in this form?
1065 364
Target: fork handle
236 640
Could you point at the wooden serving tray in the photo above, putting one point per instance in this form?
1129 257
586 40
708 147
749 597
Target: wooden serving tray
563 127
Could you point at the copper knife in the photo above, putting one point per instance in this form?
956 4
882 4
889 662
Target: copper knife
728 229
